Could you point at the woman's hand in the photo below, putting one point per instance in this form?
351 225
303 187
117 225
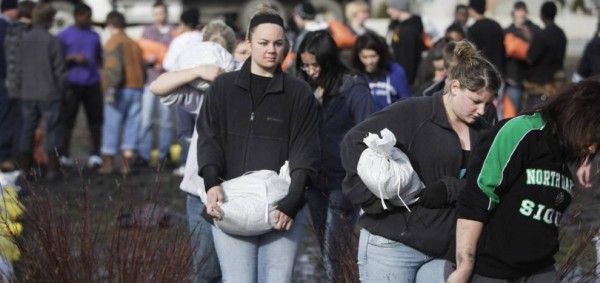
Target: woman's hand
282 221
459 276
215 198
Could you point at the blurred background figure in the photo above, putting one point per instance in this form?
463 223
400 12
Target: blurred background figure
83 56
405 37
155 42
9 114
357 13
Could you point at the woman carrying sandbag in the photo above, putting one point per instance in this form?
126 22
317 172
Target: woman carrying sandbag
345 101
437 134
254 119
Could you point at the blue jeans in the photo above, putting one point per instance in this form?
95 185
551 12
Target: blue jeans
203 247
122 115
10 119
185 129
268 258
149 103
384 260
31 114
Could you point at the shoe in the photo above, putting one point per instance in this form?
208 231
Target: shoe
179 171
7 166
94 161
66 161
107 165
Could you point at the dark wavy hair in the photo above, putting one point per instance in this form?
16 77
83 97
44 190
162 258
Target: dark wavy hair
574 117
376 43
332 70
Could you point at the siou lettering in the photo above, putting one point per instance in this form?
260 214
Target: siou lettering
540 212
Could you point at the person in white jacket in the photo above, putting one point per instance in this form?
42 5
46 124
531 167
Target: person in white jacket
183 87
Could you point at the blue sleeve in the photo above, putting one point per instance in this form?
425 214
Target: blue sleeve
399 81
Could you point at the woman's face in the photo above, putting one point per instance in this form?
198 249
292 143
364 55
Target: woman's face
242 51
370 59
468 105
267 44
310 65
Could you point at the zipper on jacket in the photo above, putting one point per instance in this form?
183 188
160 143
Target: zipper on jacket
250 128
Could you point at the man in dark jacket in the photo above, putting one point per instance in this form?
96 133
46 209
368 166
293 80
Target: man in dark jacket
486 34
405 37
546 56
516 68
41 91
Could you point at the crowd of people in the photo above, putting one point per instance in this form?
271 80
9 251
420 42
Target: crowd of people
309 95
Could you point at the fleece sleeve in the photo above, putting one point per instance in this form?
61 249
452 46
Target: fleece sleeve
210 150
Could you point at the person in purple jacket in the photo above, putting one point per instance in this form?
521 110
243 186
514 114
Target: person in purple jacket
387 79
83 56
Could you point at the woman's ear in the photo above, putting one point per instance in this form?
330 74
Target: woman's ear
454 87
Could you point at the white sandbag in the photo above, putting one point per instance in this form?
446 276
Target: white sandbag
205 53
387 172
250 201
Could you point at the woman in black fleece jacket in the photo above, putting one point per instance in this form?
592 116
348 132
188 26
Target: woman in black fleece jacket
436 133
255 119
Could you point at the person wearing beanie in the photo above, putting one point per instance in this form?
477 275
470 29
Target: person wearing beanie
405 37
8 104
486 34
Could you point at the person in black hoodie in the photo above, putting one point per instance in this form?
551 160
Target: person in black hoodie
255 119
516 68
545 56
486 34
405 36
436 133
345 101
519 176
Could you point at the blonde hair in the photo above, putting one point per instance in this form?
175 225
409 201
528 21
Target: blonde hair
218 31
465 64
355 7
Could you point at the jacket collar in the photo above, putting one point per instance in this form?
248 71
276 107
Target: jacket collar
439 115
244 76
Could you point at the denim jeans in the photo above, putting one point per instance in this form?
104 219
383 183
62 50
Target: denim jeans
333 218
150 102
203 247
10 120
121 118
31 114
267 258
185 129
384 260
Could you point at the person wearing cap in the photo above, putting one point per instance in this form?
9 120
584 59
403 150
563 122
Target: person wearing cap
405 37
486 34
256 119
9 115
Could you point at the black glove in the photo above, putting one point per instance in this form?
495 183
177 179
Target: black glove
434 196
374 206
